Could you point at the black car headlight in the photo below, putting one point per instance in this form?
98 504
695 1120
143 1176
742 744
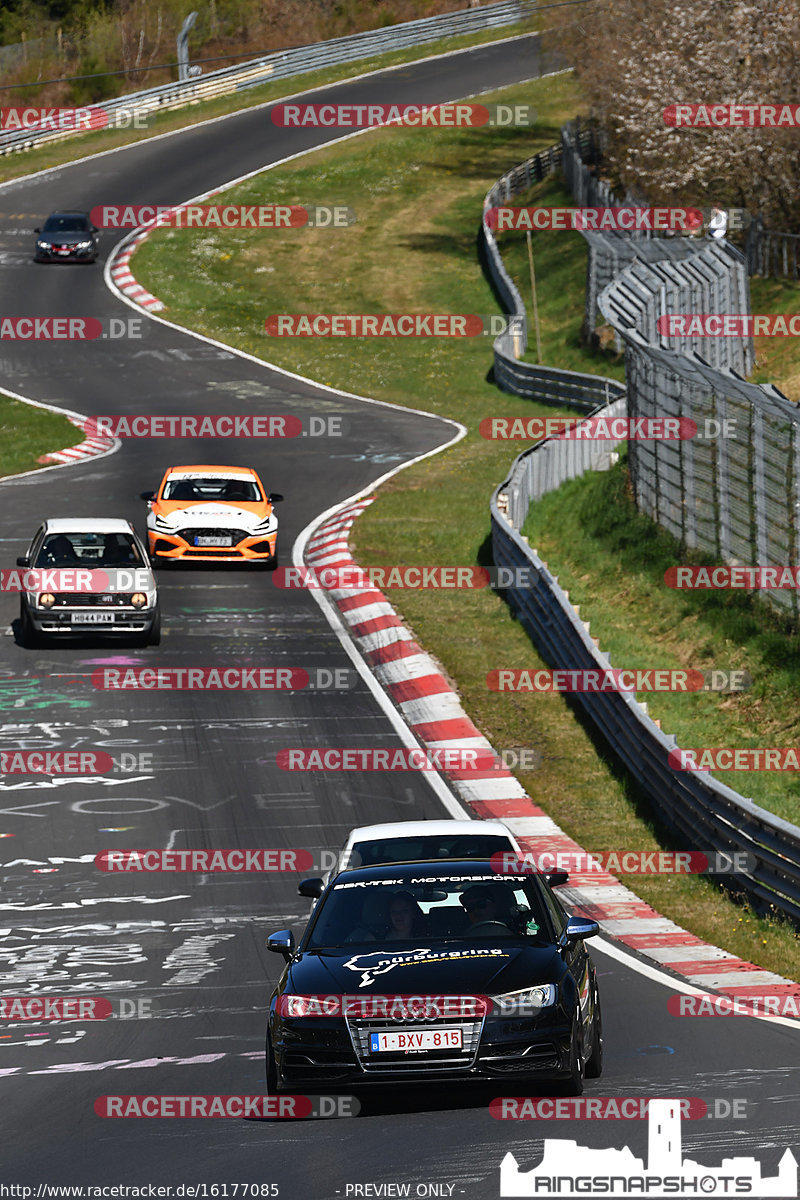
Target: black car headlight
163 524
526 1002
40 245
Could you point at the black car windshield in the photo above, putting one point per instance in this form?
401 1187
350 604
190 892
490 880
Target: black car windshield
422 910
225 488
58 224
89 550
425 846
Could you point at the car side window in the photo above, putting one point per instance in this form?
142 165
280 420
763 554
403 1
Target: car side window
554 910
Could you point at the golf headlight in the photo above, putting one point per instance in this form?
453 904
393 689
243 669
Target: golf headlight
42 245
138 600
527 1002
84 245
46 600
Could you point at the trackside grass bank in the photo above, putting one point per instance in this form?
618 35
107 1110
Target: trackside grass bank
418 197
26 433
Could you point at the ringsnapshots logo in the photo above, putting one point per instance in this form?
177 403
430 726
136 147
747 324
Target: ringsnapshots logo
222 216
420 116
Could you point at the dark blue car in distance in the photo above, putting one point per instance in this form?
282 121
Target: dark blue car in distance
434 970
66 237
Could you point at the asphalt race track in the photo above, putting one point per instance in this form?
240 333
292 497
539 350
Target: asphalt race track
192 947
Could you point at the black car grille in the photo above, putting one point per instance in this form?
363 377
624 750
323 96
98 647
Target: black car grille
236 536
512 1059
91 600
402 1060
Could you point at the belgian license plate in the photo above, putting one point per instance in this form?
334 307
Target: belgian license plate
394 1040
213 541
93 618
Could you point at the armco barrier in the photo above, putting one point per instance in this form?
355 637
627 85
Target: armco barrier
285 63
699 810
548 385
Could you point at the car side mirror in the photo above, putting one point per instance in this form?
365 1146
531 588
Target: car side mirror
312 888
95 229
23 560
274 497
37 229
579 928
556 878
282 943
148 496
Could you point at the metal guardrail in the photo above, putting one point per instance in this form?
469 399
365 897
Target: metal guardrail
282 65
698 810
548 385
770 252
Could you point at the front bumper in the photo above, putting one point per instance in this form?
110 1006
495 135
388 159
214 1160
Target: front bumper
54 254
245 547
62 621
309 1052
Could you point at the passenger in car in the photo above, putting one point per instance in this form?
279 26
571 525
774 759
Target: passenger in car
406 918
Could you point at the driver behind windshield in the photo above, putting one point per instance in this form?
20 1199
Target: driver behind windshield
482 903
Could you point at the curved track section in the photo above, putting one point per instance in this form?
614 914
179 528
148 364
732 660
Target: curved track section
192 947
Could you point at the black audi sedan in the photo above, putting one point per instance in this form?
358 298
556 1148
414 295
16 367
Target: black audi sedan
66 237
430 971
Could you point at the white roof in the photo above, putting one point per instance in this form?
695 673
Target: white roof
368 833
88 525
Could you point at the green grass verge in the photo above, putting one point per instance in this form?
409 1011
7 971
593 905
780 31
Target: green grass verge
27 432
559 263
611 559
58 153
418 198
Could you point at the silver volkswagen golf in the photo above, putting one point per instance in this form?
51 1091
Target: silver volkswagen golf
88 576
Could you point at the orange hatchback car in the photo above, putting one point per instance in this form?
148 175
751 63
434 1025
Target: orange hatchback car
213 514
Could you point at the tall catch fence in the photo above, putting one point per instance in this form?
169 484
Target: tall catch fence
734 497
